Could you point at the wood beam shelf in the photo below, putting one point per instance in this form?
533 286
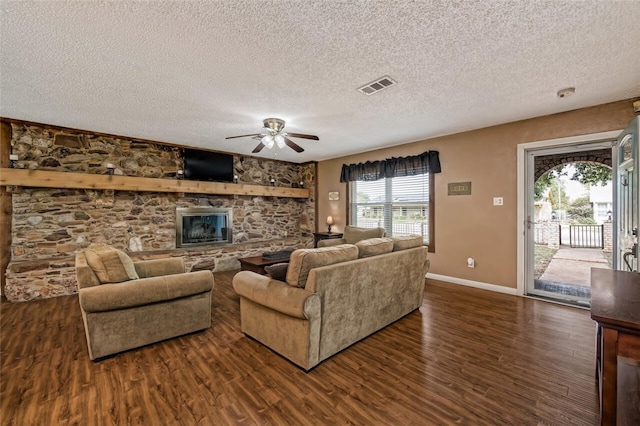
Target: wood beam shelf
71 180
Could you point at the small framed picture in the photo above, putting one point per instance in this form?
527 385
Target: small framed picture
334 196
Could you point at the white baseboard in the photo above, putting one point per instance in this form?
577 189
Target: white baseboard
476 284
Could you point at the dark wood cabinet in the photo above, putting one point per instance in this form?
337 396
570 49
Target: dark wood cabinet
615 305
318 236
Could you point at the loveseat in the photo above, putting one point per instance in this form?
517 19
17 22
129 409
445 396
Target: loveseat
333 296
128 304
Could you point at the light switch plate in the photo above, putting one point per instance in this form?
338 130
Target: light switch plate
498 201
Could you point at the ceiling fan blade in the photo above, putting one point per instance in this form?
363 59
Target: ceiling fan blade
303 136
258 148
291 144
242 136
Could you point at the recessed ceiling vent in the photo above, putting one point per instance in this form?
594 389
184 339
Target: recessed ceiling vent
377 85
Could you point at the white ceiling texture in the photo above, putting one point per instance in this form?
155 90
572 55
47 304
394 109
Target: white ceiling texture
193 72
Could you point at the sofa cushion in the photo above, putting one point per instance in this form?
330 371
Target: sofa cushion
147 291
404 242
110 265
277 271
353 234
374 246
304 260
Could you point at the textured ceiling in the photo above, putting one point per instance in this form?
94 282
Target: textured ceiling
191 73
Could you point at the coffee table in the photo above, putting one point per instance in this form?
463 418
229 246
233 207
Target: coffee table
257 263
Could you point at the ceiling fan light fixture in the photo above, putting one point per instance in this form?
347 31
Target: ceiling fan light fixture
268 141
273 135
279 140
273 124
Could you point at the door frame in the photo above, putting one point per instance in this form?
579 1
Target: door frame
523 192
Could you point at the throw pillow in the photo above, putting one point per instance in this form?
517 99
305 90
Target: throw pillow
353 234
374 246
277 271
304 260
110 265
405 242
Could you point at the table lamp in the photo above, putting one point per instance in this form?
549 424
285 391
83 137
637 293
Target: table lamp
329 222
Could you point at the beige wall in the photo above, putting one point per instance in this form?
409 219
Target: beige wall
470 226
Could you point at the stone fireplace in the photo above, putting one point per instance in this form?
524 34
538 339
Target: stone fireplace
49 226
197 226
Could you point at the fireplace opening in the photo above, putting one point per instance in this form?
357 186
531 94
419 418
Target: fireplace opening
203 226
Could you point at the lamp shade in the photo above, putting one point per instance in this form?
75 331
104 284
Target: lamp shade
329 220
268 141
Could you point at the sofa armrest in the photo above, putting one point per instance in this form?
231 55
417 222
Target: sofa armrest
331 242
277 295
129 294
160 267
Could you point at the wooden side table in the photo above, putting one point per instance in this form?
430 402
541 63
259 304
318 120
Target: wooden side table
257 263
318 236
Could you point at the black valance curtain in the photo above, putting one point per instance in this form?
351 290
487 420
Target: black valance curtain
371 170
427 162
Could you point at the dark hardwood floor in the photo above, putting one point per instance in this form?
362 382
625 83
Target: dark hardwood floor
466 357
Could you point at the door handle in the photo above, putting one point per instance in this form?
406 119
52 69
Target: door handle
634 253
626 260
529 222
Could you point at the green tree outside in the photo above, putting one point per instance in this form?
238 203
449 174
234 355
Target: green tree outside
581 211
585 173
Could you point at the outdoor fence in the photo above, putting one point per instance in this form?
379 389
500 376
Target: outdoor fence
398 227
554 234
584 236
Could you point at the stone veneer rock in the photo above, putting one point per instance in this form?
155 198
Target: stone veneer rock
49 226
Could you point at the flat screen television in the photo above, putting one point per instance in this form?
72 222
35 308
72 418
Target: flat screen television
208 166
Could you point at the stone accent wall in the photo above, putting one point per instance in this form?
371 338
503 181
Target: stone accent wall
46 278
49 226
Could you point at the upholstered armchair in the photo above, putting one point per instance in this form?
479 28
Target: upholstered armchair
128 304
353 234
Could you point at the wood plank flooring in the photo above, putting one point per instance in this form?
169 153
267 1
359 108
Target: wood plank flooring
467 356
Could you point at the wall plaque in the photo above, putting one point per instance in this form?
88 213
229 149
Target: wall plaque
459 188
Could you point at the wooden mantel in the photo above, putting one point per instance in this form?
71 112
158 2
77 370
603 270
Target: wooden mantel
70 180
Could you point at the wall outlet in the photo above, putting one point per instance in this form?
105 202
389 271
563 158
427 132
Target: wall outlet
471 263
498 201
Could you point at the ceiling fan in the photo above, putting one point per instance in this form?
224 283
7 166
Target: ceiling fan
274 135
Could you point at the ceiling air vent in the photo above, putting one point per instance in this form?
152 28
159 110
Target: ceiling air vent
377 85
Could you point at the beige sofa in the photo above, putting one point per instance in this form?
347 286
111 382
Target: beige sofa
353 234
158 302
333 297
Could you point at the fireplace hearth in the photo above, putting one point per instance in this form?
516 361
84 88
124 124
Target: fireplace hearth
203 226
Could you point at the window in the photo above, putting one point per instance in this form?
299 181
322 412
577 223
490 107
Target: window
401 205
